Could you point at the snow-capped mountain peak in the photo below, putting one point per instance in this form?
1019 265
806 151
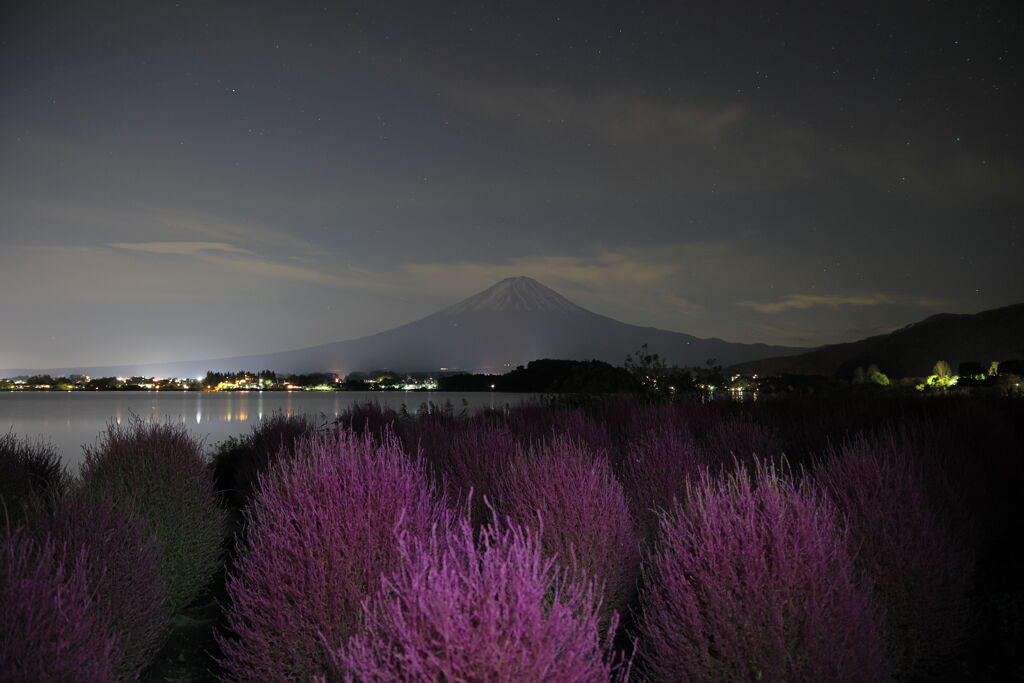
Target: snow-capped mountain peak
515 294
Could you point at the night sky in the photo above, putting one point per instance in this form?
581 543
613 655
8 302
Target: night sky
184 180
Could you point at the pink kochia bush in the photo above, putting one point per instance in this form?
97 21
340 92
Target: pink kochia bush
157 471
123 567
321 533
475 462
239 461
30 473
578 512
52 627
744 438
752 581
494 610
919 571
659 463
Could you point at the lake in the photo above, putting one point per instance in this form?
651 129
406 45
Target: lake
68 420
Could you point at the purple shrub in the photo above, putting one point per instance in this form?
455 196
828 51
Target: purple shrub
579 427
535 422
430 435
238 462
919 572
321 533
467 459
157 472
369 417
576 509
474 463
29 473
493 611
743 438
658 465
51 626
752 581
123 567
979 450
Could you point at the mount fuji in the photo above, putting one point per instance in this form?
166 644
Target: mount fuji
515 321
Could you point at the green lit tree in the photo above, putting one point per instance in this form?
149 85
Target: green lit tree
876 376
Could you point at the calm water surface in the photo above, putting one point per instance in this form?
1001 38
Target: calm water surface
68 420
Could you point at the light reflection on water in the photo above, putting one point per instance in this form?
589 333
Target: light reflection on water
70 420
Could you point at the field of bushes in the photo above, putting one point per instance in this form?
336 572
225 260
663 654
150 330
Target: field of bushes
850 538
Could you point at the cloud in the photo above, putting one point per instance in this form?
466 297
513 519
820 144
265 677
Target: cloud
618 138
179 248
229 258
616 114
799 302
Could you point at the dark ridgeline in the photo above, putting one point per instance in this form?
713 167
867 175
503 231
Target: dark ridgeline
911 351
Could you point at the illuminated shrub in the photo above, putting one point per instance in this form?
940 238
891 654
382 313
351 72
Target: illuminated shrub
744 438
919 572
493 611
123 569
476 460
658 465
535 422
239 461
368 417
29 473
157 472
430 436
51 627
321 533
577 511
752 581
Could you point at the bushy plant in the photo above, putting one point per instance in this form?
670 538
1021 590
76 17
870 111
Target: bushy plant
123 568
476 459
494 611
919 572
157 472
752 581
577 511
742 437
368 417
658 465
51 625
29 473
239 461
321 533
535 422
978 444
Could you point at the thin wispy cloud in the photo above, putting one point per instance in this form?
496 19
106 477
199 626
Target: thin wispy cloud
179 248
617 114
800 302
230 258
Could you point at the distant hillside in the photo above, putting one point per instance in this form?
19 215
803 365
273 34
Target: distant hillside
912 351
511 323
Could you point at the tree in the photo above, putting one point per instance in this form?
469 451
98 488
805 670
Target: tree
647 367
879 378
942 369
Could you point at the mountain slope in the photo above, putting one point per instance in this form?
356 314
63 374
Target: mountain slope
511 323
997 334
